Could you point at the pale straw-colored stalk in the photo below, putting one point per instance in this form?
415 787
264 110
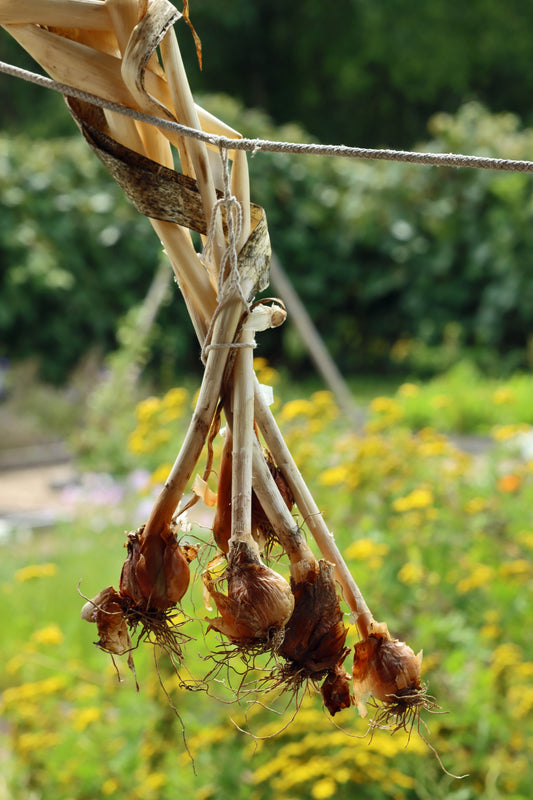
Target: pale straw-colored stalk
310 512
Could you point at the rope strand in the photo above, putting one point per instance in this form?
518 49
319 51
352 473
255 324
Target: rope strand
264 145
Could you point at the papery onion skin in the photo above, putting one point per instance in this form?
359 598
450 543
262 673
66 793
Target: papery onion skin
383 667
315 634
335 690
258 602
107 611
156 572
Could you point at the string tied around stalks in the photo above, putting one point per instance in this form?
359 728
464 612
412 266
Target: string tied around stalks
229 282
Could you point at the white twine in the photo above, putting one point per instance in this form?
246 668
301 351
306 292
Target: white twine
265 145
229 283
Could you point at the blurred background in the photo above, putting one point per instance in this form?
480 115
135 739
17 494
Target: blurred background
419 281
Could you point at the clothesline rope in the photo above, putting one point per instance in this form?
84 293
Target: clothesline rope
265 145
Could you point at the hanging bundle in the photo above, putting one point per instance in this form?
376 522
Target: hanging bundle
127 52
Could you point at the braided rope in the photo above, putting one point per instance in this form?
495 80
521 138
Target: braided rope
265 145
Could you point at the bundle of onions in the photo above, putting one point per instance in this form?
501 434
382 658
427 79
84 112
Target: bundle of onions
126 52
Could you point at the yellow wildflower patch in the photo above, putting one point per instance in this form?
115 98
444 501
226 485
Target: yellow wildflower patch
110 786
408 390
365 549
147 409
411 573
83 717
13 695
160 474
502 433
475 505
49 635
480 575
324 788
175 398
296 408
335 476
386 405
518 569
417 499
503 396
33 571
506 655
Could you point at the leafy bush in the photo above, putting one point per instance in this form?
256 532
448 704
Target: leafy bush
382 254
461 401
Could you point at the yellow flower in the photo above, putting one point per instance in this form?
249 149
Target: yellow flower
260 363
517 569
502 433
147 409
411 573
364 549
51 634
434 448
39 740
296 408
334 476
385 405
83 717
503 396
268 376
136 442
324 788
110 786
35 571
175 398
475 505
172 413
160 474
491 631
480 576
417 499
526 538
409 390
520 701
154 780
506 655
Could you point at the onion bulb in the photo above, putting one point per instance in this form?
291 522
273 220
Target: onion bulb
258 602
385 669
156 572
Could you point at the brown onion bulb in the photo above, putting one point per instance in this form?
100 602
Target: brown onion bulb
258 602
315 634
156 572
384 668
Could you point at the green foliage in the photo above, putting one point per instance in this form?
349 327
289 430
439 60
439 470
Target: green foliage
462 401
364 72
77 256
441 547
382 254
353 71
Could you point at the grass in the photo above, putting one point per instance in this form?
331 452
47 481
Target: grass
441 544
